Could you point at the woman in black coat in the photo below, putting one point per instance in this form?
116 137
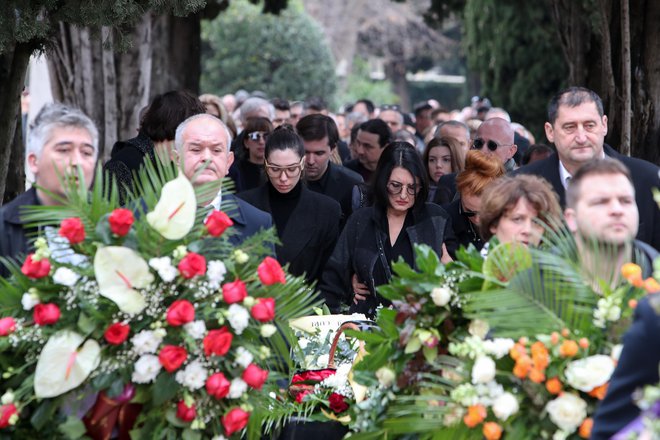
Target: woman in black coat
307 223
377 235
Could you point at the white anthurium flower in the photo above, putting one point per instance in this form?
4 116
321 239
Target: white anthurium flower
174 214
64 364
119 271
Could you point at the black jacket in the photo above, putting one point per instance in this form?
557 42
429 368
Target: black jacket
464 230
126 158
13 235
339 187
309 235
644 176
358 252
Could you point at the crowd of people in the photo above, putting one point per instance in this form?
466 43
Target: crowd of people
350 193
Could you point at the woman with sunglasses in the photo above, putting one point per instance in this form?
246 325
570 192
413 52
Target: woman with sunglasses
377 235
307 223
442 156
247 170
481 171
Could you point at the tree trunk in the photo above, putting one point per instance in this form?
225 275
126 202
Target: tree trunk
626 87
395 71
13 67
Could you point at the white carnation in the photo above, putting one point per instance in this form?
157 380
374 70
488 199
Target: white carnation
243 357
164 267
193 376
589 373
478 328
237 388
147 341
238 318
146 369
196 329
567 411
65 276
215 272
441 296
268 330
322 360
483 370
498 347
29 300
505 406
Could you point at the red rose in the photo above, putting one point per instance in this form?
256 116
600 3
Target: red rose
185 412
7 326
255 376
217 223
35 268
337 403
6 411
264 309
46 314
217 342
180 312
117 333
312 376
300 396
73 230
121 221
191 265
171 357
234 292
270 272
235 420
217 385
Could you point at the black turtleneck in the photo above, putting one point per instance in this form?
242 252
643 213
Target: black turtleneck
282 205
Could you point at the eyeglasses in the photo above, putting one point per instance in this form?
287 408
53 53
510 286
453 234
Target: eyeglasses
466 212
257 136
290 171
479 143
395 107
395 188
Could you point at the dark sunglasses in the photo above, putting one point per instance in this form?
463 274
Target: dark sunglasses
257 136
466 212
479 143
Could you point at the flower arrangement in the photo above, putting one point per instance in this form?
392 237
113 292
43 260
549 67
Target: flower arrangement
147 321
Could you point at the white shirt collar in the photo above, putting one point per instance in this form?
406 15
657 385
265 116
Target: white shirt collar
565 176
216 202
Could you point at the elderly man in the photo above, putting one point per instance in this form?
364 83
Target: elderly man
62 147
392 116
202 143
457 130
577 126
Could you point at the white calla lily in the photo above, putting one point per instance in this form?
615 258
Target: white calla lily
119 271
174 214
63 364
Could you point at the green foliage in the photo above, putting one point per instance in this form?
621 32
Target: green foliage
282 55
359 86
513 47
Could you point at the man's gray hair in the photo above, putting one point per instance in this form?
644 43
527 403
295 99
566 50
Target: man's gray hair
452 123
253 105
178 135
57 115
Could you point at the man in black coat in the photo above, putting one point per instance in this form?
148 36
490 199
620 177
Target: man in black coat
372 137
577 125
320 136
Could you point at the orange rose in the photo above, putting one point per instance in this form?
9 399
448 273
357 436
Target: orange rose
565 332
568 348
476 414
554 338
651 285
523 365
584 343
492 431
630 271
553 386
632 303
516 351
585 428
599 392
536 375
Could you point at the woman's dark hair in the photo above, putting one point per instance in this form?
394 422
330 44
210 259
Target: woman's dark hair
285 138
258 124
166 112
455 151
404 155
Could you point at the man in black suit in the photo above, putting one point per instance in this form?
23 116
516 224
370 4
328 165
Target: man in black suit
202 143
372 136
320 136
577 126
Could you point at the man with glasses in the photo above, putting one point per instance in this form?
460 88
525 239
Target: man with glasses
577 125
320 137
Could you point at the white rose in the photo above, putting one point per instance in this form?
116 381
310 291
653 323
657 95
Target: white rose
505 406
268 330
29 300
322 360
196 329
483 370
147 341
478 328
193 376
385 376
498 347
7 398
237 388
243 357
164 267
238 318
65 276
567 411
215 272
441 296
589 373
146 369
